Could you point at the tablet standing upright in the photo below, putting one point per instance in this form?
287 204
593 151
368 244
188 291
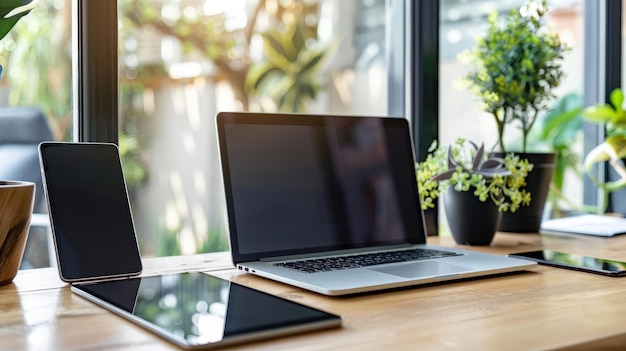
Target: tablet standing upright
90 215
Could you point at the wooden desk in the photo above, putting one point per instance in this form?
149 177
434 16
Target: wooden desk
545 308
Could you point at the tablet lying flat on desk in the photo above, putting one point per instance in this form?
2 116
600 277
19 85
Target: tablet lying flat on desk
198 311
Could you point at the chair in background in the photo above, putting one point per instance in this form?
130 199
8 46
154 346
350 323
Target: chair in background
21 131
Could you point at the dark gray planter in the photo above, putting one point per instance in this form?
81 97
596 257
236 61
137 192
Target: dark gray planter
527 219
471 221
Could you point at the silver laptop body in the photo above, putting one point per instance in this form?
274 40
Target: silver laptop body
318 201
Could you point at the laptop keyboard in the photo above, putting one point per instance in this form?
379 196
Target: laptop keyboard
363 260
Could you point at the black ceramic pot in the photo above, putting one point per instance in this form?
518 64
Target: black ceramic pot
527 219
471 221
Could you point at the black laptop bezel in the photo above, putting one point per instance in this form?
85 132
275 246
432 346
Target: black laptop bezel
413 220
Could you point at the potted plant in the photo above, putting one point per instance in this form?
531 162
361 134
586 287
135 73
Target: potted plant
612 149
517 66
16 197
476 187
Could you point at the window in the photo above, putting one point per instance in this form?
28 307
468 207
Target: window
183 61
35 100
371 31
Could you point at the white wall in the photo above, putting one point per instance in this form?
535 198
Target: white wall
184 187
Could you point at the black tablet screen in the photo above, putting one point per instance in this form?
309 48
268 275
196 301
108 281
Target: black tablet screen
195 309
90 213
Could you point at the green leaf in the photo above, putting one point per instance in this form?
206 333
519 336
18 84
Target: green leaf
258 73
6 9
560 117
618 144
273 45
614 148
275 58
310 89
565 135
617 98
599 114
561 126
313 62
297 38
286 41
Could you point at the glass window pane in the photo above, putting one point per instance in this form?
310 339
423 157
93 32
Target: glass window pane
461 114
183 61
35 105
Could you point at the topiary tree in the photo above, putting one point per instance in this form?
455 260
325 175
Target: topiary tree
517 66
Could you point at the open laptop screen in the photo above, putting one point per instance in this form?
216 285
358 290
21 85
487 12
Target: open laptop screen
300 183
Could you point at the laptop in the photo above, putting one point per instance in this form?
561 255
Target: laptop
98 254
330 204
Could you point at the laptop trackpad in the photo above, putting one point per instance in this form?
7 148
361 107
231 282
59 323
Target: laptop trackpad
421 269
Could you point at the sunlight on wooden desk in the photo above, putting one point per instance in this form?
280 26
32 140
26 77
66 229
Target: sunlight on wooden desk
545 308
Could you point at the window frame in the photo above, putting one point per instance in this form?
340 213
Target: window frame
95 79
612 78
424 73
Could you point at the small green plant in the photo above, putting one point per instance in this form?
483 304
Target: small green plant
517 65
467 167
613 149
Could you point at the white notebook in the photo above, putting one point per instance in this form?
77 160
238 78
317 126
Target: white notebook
590 224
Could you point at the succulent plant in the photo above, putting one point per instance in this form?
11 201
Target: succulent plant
468 167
